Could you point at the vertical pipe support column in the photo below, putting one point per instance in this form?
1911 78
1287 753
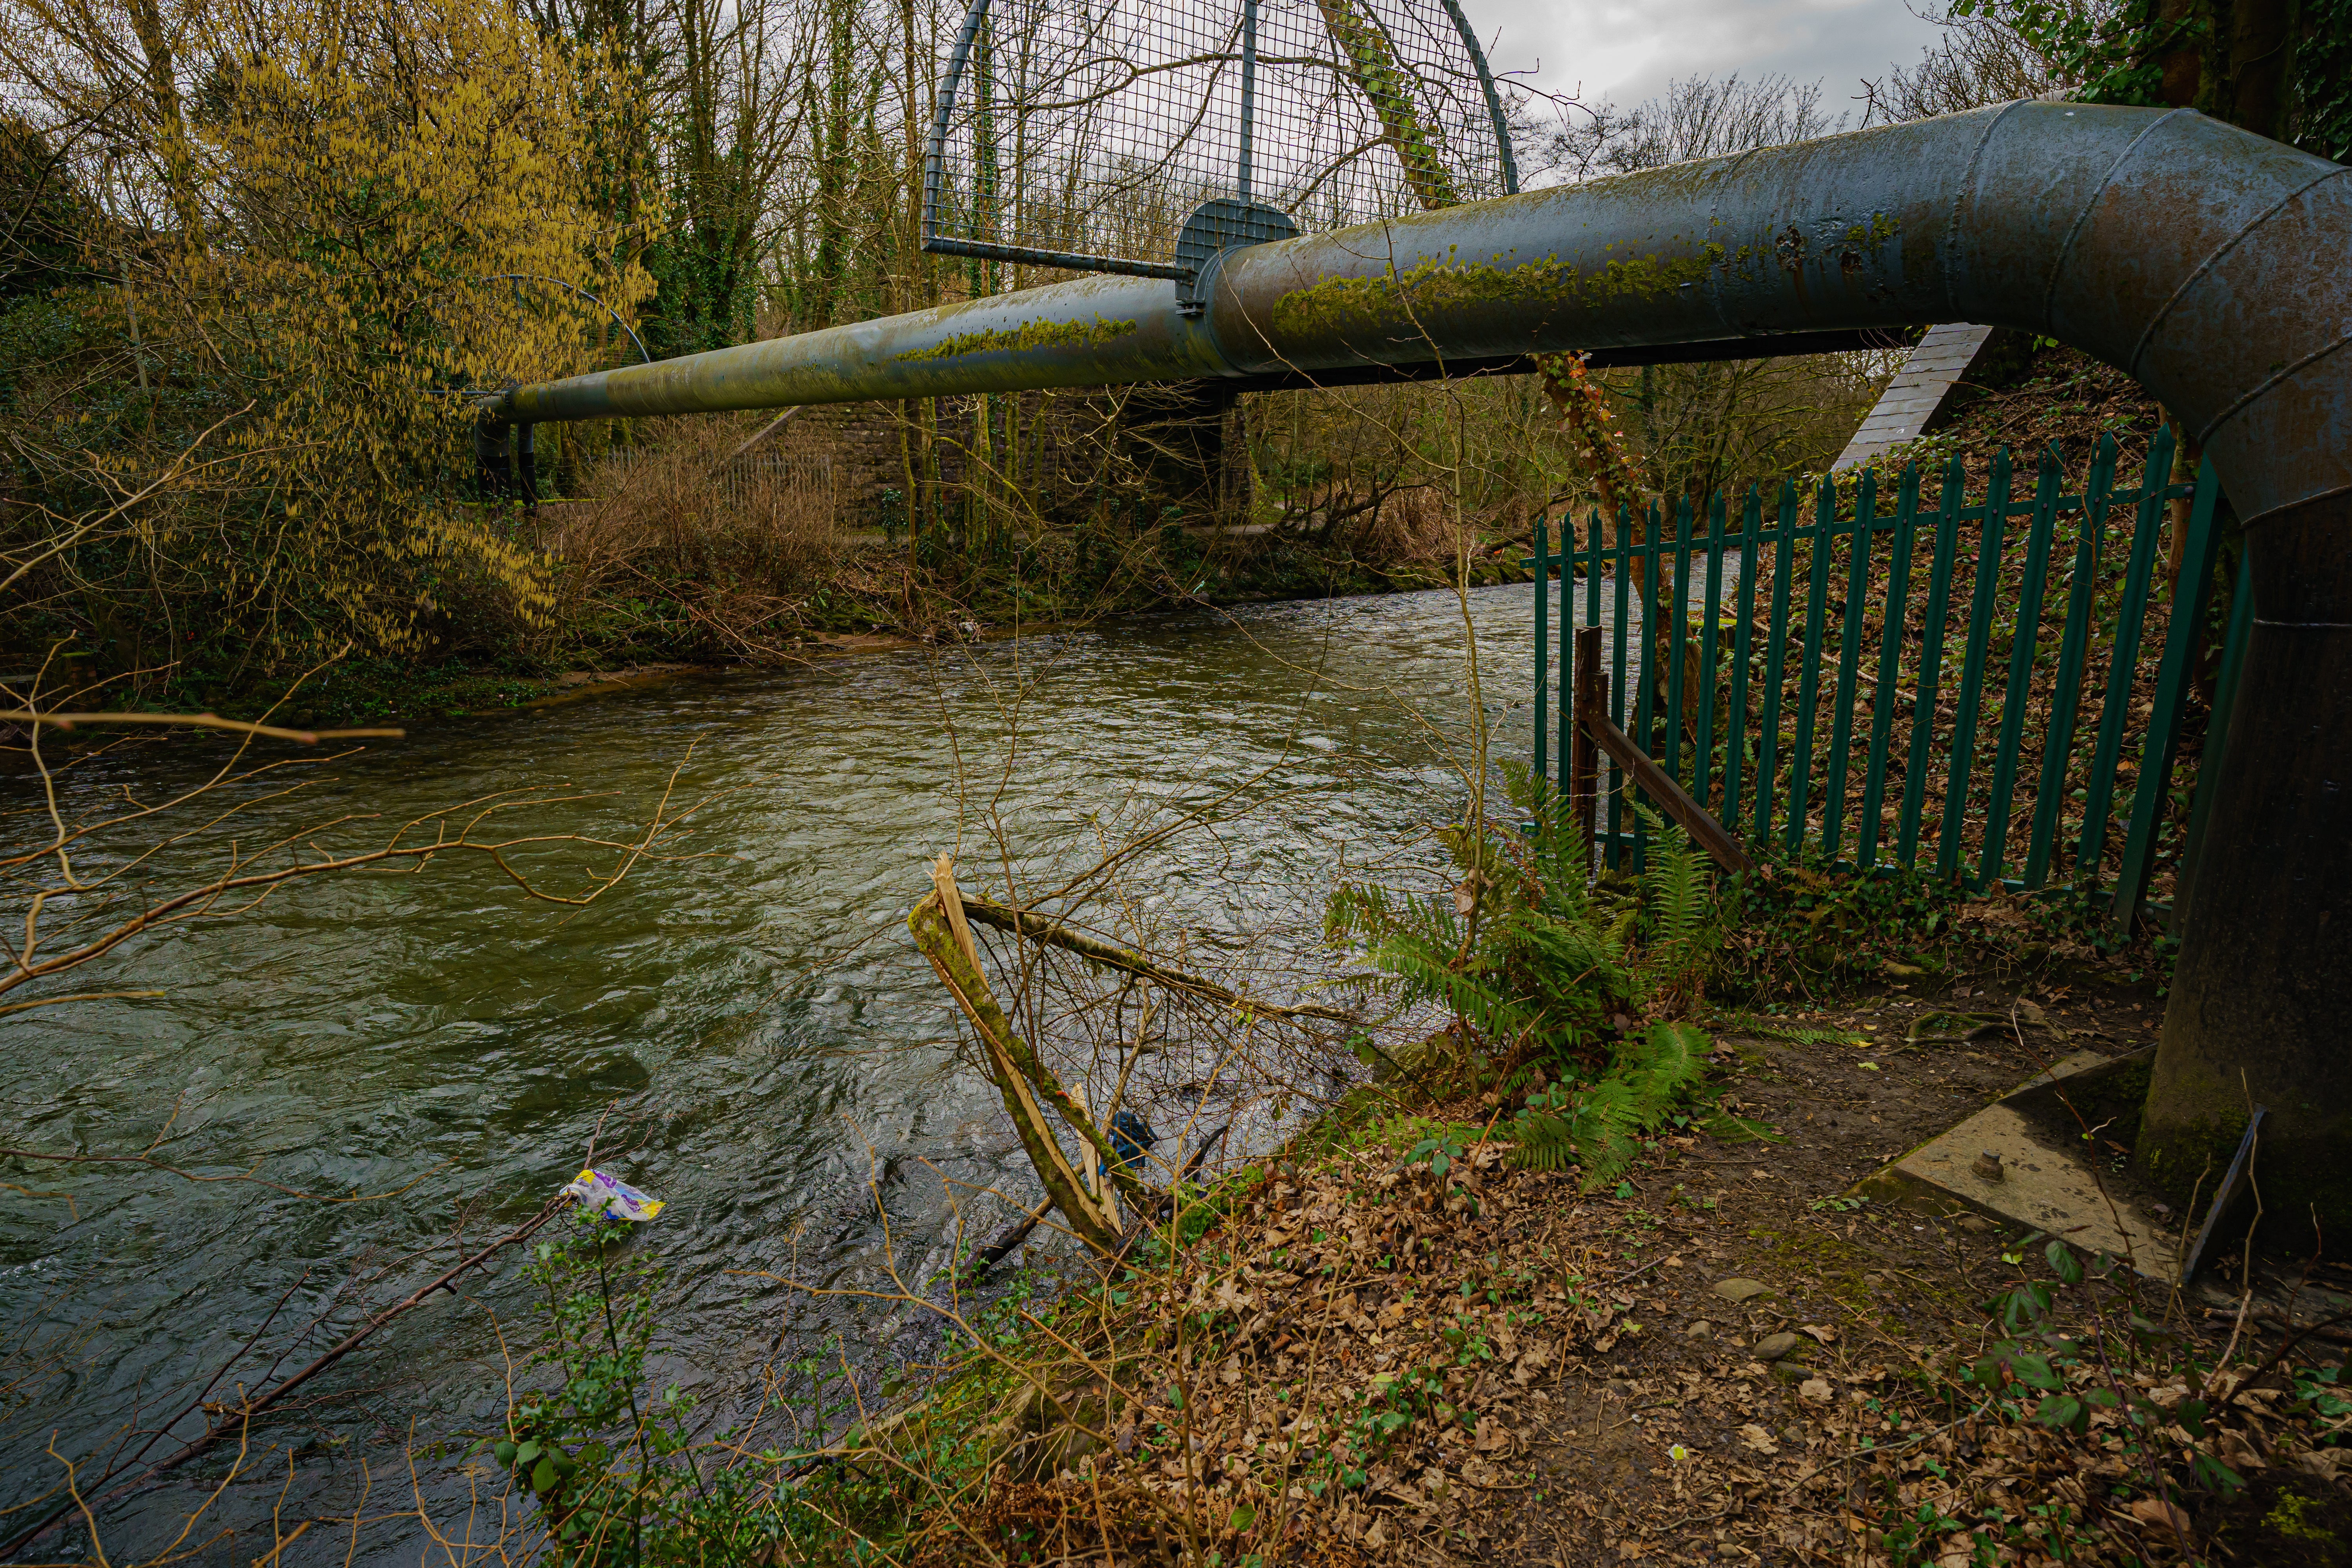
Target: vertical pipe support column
1249 98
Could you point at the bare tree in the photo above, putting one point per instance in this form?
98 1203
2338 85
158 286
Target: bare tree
1979 60
1699 118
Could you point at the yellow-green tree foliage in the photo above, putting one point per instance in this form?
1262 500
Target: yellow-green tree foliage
328 268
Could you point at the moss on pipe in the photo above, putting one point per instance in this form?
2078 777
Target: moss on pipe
1028 335
1340 307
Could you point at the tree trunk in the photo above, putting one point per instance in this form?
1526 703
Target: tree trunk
2228 1046
170 130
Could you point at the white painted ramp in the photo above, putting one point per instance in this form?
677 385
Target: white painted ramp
1909 408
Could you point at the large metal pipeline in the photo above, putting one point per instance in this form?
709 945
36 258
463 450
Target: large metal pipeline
2206 261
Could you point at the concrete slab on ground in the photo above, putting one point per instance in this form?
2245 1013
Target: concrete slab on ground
2050 1177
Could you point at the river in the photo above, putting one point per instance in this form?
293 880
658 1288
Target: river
752 1024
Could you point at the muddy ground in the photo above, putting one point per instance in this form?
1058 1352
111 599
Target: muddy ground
1729 1355
1778 1317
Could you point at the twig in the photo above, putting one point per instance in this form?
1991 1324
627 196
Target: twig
351 1341
199 722
1877 1448
33 1533
761 434
1621 1279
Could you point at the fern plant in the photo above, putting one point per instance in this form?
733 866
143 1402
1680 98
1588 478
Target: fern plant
1599 1125
1539 967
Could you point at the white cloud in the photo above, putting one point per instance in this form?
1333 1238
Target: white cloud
1628 51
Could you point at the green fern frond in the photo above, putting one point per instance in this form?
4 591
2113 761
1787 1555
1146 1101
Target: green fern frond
1800 1037
1558 859
1677 896
1603 1122
1543 1143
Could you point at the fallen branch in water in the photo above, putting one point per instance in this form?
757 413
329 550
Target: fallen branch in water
938 926
1013 1235
200 722
1038 927
1006 1240
240 1419
245 1412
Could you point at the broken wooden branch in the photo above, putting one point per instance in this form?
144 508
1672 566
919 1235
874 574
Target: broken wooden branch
239 1418
962 977
1038 927
1022 1078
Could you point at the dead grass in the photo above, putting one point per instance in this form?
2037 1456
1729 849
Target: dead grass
681 539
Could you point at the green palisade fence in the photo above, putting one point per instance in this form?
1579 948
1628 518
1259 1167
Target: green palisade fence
2014 725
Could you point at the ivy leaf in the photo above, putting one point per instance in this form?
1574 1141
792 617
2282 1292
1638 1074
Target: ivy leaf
2212 1474
2035 1370
2063 1410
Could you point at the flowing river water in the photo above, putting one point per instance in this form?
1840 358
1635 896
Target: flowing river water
753 1025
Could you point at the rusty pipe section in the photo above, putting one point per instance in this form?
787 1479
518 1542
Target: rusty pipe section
2208 262
2203 259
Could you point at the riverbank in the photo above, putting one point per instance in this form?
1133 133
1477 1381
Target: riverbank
870 601
1390 1342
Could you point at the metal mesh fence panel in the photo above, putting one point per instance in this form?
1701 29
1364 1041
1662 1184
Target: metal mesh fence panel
1083 133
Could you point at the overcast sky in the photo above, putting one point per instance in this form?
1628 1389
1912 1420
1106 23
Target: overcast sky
1629 49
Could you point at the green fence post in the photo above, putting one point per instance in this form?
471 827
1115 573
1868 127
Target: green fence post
1568 693
1617 674
1710 623
1564 704
1735 750
2049 478
1776 657
1809 674
1892 624
1964 732
1669 755
2074 653
1543 649
2217 738
2173 686
1857 595
1931 658
2131 615
1652 552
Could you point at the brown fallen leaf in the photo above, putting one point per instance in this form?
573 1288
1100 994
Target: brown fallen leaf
1756 1438
2155 1510
1825 1335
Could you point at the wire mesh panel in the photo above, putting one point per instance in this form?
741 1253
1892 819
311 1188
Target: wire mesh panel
1084 136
